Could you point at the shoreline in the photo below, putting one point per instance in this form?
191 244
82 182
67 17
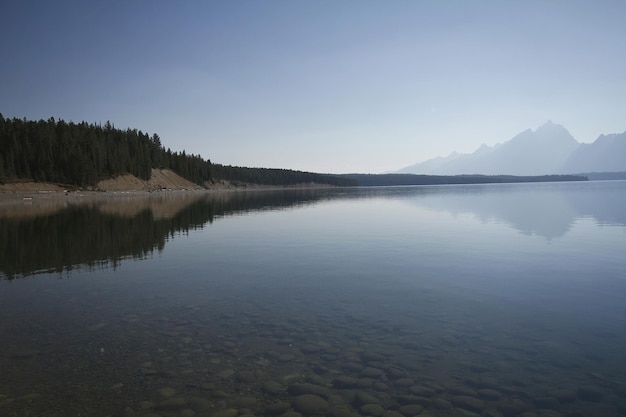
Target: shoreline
30 193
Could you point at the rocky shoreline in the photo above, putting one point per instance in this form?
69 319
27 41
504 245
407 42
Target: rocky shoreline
29 192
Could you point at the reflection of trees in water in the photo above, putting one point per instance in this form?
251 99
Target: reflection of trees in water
100 235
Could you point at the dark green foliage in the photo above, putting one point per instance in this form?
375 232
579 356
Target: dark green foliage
83 154
371 180
280 177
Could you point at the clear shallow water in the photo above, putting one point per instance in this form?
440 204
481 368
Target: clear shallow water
496 300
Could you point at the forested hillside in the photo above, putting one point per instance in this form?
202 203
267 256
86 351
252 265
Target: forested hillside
270 176
82 154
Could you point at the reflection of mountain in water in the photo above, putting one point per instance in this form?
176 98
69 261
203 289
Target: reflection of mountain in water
606 202
100 233
547 210
61 236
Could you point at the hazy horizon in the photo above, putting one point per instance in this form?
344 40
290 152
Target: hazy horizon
322 86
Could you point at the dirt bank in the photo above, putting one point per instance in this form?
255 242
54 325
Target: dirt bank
24 192
161 180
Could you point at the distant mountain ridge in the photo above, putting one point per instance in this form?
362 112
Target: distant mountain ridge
550 149
606 154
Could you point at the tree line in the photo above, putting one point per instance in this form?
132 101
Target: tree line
82 154
382 180
272 176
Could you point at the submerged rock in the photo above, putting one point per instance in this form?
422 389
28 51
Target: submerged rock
411 410
246 376
172 404
339 410
291 414
441 404
413 399
380 386
489 394
226 373
167 392
362 398
352 366
199 404
246 402
228 412
277 408
547 402
186 412
310 405
403 382
371 372
375 410
468 403
306 388
344 381
273 388
422 391
461 390
510 408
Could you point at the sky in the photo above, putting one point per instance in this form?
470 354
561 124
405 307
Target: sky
326 86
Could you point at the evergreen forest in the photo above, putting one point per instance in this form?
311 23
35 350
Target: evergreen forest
82 154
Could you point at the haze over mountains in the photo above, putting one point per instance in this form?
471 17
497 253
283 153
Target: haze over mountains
550 149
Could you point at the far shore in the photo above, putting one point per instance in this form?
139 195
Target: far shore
167 182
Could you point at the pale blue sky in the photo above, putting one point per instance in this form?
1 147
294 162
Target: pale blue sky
328 86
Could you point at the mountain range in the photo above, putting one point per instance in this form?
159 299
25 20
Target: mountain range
550 149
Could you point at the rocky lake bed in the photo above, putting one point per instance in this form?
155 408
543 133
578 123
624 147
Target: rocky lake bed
398 302
236 364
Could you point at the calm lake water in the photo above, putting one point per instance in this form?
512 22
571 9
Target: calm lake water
491 300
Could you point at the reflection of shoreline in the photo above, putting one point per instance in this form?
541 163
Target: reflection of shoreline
28 205
57 235
45 201
123 203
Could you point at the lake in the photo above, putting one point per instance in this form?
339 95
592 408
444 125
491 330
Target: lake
492 300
